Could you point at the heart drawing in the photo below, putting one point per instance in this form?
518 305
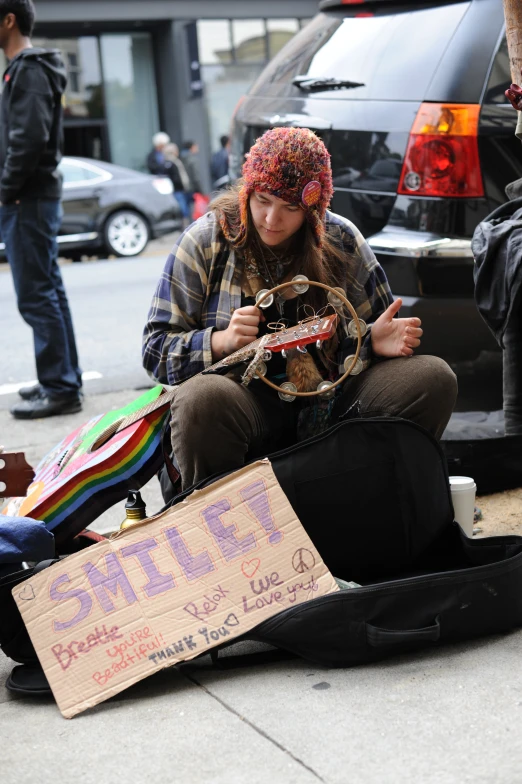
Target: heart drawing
27 593
249 568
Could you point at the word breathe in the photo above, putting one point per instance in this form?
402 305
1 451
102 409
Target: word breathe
66 654
113 578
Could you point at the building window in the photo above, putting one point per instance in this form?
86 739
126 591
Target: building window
83 94
232 54
280 31
74 72
130 96
250 43
215 42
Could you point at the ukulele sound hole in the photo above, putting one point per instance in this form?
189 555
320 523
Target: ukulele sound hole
105 435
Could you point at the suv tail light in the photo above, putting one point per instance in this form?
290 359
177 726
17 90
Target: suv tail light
442 157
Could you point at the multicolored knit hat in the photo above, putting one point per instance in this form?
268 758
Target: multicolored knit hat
294 165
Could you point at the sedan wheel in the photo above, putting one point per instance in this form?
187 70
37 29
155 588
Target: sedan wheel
126 233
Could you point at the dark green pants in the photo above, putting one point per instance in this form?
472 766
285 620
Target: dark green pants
217 424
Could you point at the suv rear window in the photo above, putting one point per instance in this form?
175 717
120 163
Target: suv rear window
359 49
500 76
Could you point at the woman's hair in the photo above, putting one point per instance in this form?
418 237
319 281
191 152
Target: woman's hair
330 264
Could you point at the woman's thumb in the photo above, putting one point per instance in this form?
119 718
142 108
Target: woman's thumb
394 308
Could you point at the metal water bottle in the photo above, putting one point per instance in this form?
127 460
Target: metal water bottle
134 509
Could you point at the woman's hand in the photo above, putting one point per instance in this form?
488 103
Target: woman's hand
514 95
393 337
242 330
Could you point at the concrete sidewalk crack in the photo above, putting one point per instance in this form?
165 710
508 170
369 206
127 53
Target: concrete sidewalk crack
254 727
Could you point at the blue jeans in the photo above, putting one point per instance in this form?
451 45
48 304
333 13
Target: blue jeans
29 231
183 200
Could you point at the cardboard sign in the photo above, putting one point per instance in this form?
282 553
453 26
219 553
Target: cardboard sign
170 588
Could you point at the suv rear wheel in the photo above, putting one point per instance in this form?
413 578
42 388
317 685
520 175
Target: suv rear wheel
126 233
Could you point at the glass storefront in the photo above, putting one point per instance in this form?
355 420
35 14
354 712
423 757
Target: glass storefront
110 103
232 54
130 96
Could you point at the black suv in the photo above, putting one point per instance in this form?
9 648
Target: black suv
409 99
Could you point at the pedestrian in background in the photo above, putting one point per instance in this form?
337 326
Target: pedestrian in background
156 161
189 157
512 358
180 180
497 251
31 140
219 163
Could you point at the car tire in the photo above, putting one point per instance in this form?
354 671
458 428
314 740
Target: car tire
74 256
126 233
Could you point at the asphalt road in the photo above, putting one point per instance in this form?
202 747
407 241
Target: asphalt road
109 301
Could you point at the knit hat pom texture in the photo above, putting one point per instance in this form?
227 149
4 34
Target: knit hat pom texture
282 162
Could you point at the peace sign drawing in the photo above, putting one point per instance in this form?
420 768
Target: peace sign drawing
303 560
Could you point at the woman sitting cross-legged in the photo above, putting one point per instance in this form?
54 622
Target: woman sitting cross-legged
275 224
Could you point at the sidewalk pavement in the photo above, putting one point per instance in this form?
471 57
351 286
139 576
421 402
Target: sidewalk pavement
443 716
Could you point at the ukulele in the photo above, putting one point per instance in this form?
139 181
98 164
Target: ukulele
16 475
95 466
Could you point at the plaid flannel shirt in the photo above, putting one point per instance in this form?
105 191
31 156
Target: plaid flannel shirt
200 288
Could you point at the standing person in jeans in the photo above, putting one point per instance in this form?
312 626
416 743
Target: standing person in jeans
219 162
189 156
31 138
180 181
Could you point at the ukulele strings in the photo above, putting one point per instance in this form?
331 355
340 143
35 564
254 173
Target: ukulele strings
244 353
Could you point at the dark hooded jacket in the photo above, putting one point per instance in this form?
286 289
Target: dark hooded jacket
497 250
31 126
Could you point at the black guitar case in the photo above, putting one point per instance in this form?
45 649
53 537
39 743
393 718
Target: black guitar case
373 495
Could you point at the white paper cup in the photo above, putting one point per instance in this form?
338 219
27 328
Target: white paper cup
463 490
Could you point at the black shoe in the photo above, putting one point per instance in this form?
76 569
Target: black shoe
30 393
35 391
29 680
45 406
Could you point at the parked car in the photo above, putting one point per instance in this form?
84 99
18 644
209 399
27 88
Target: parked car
409 99
112 210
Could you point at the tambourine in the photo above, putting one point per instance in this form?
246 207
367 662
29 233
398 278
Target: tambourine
300 285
